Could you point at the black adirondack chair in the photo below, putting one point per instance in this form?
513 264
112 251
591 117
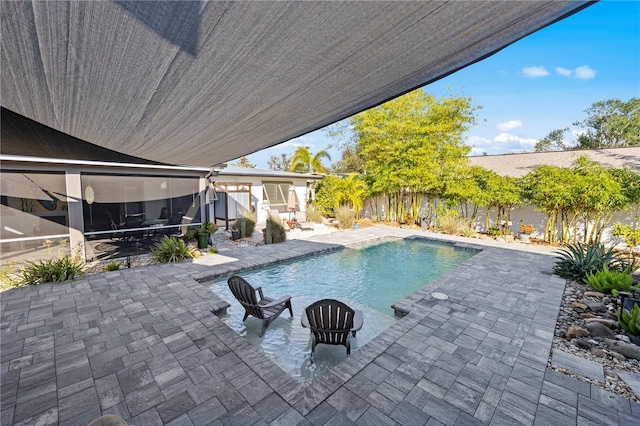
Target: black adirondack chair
266 308
332 323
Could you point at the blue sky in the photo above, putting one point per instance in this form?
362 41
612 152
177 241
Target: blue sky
540 83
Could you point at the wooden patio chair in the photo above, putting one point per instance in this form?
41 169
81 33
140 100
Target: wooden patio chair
331 322
266 309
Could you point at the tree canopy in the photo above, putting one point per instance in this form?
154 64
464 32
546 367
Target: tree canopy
280 164
610 124
303 161
408 144
244 162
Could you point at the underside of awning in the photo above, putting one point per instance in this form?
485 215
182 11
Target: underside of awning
200 83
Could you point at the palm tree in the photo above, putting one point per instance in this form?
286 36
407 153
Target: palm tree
351 191
303 161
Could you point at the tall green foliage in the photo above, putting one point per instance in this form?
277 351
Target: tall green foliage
409 144
333 192
611 123
303 161
582 198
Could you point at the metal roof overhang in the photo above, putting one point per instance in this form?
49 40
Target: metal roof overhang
200 83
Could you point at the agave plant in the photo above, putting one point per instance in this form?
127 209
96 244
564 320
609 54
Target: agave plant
577 260
630 320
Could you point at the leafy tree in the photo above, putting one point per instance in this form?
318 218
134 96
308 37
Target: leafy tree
325 194
466 187
244 162
351 191
350 161
408 144
548 188
554 141
583 197
281 163
611 123
303 161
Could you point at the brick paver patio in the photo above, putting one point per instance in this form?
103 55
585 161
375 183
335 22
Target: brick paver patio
143 344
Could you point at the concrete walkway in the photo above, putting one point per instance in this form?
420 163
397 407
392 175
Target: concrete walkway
143 344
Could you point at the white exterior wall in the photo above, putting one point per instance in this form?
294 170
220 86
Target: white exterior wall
257 194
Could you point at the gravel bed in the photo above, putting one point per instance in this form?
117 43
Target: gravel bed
589 347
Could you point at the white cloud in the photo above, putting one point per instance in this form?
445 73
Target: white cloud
585 73
503 143
294 143
509 125
508 138
535 72
563 71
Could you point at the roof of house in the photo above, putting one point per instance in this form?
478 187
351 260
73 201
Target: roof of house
204 82
520 164
231 170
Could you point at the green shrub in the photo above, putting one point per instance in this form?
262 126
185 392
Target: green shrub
577 260
113 266
449 222
278 233
190 235
630 320
212 250
606 281
345 217
51 270
326 191
630 236
494 232
172 250
314 214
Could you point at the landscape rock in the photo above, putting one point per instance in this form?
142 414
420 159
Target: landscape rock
579 307
597 329
595 294
604 321
598 352
587 315
576 331
595 306
619 357
581 343
627 349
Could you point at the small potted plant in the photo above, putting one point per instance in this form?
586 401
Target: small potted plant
525 232
204 233
235 233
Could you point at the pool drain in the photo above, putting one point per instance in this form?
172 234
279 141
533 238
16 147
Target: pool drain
439 296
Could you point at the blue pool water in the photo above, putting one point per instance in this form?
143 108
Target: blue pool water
370 278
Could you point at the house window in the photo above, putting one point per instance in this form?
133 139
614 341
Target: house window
277 194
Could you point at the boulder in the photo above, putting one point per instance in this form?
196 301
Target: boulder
627 349
594 305
597 329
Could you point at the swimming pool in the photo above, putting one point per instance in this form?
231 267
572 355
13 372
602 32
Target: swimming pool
370 278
